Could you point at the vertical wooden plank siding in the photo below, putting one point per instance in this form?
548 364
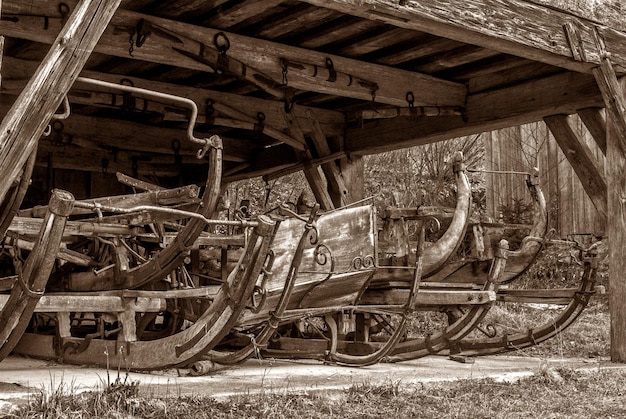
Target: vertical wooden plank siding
572 212
44 93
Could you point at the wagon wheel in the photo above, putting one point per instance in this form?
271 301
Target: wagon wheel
499 338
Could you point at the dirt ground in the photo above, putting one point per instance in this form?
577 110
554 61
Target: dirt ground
21 378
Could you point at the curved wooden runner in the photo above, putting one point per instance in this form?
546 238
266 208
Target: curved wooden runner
372 358
178 349
505 341
162 263
313 272
31 282
518 261
436 254
273 317
431 344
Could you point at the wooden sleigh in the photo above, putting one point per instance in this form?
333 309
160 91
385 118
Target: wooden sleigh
339 330
123 293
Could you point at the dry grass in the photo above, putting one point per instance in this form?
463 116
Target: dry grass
551 393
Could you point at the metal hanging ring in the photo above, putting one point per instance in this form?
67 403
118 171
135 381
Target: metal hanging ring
410 98
221 42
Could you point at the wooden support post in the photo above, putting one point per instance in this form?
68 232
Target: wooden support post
552 171
614 94
1 48
616 228
582 160
352 170
44 93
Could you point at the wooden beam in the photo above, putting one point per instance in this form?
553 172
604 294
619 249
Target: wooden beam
120 140
336 184
391 84
89 303
606 12
537 33
240 12
582 160
28 117
316 180
594 120
516 105
331 122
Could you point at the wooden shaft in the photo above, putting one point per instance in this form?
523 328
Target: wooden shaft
15 314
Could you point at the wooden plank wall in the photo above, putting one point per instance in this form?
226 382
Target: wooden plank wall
520 149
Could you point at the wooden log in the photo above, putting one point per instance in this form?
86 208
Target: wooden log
26 120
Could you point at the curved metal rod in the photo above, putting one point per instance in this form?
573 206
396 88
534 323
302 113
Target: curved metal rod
183 101
99 208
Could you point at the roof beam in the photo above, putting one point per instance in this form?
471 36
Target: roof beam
331 122
516 105
537 34
354 79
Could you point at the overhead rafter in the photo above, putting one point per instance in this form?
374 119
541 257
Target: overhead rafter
330 122
383 84
516 105
538 33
